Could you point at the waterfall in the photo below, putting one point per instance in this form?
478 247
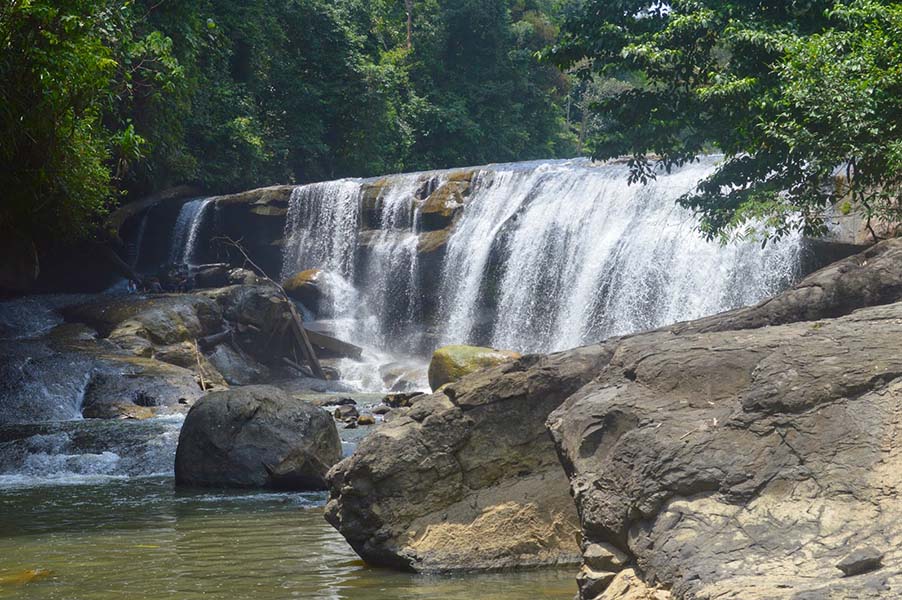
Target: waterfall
183 248
323 230
544 256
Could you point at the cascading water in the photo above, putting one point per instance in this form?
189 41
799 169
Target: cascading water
191 218
323 230
582 255
546 255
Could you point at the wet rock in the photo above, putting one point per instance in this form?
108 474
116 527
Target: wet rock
307 287
259 316
366 420
122 381
188 356
381 409
345 412
237 368
467 479
159 320
402 399
450 363
118 410
341 401
243 277
860 561
256 436
331 347
211 276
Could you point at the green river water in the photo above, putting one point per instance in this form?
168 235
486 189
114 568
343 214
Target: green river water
139 538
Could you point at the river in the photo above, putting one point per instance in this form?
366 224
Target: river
91 531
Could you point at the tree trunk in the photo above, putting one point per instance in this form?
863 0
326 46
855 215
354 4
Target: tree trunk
408 4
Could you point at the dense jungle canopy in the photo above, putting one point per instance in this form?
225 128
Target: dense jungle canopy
104 101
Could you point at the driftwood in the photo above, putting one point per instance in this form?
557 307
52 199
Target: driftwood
200 367
214 340
296 324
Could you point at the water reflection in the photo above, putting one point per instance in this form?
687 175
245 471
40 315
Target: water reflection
141 539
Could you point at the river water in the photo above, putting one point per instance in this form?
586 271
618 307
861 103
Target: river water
138 538
91 506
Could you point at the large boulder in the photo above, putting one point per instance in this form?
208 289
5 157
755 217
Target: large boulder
744 464
165 319
258 437
750 454
450 363
468 478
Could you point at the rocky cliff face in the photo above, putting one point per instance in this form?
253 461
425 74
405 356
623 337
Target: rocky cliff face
743 462
749 455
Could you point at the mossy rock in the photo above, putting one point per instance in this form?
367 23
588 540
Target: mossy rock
451 363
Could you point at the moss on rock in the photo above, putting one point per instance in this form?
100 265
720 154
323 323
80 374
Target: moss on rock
450 363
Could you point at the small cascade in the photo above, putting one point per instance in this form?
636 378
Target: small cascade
191 219
322 228
391 274
133 250
545 256
372 273
90 451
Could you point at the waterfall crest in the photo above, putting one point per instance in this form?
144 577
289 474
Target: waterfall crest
543 256
186 231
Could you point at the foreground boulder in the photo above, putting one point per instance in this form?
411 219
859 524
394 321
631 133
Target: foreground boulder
256 436
450 363
468 478
744 464
727 457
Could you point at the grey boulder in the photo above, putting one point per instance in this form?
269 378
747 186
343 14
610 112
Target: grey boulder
256 437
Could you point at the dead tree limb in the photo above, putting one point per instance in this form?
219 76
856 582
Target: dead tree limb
300 334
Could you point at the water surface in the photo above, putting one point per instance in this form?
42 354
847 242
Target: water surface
139 538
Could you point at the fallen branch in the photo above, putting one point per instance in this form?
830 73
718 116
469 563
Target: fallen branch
200 368
300 334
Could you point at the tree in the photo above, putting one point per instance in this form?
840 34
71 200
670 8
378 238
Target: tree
107 100
65 66
794 94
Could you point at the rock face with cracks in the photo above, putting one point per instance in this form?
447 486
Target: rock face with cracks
750 463
753 454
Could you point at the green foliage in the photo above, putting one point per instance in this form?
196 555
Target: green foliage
55 73
804 99
105 97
